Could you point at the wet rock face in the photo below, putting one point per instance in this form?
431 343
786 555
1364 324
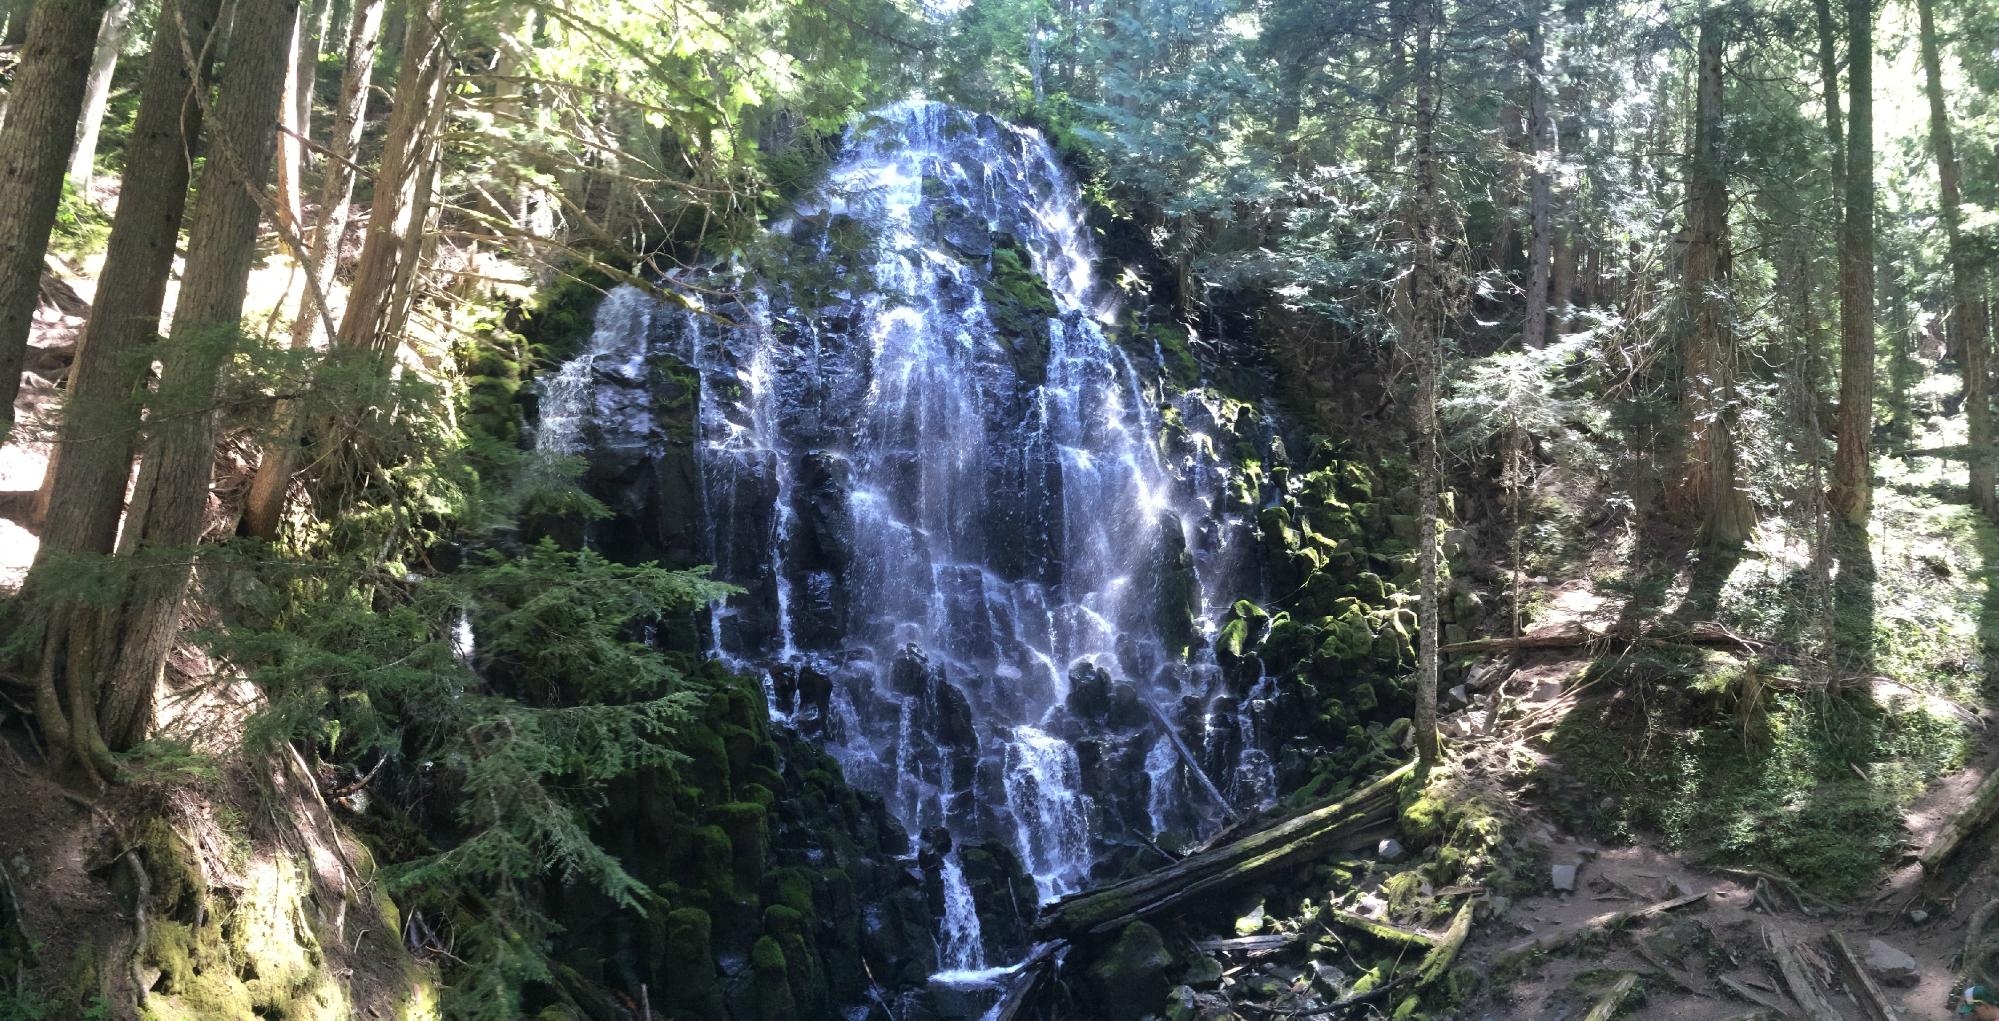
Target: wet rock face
925 447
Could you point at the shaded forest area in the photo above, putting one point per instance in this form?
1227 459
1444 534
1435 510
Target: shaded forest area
1641 348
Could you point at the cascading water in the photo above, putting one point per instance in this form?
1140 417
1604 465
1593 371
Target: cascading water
969 572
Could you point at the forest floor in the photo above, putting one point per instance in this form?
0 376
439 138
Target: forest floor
1660 772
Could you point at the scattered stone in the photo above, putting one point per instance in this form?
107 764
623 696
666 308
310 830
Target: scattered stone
1328 976
1587 853
1564 878
1919 916
1390 850
1675 888
1457 697
1181 1004
1890 964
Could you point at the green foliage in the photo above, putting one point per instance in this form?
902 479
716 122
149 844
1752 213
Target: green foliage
555 698
81 227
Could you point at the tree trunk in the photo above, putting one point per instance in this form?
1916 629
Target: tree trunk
1709 487
97 92
1966 313
290 197
1852 487
91 463
170 502
264 508
1541 202
1426 314
34 152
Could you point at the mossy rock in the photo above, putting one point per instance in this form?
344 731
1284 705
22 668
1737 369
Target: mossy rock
773 981
688 965
1132 976
747 825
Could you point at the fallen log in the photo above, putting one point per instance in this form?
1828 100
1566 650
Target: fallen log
1437 963
1612 998
1559 938
1260 854
1853 971
1764 1004
1576 636
1027 983
1797 980
1381 930
1251 946
1966 822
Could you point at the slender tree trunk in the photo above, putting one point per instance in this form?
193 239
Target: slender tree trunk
34 152
290 158
111 38
170 502
264 508
404 168
1852 485
1541 202
1966 312
1425 315
1709 485
1829 86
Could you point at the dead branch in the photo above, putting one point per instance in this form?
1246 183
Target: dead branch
1576 636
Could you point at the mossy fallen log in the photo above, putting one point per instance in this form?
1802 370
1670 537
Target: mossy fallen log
1437 963
1967 821
1606 1005
1381 930
1262 853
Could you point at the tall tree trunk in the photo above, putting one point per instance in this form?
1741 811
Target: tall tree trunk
84 493
111 37
34 152
170 502
1541 202
264 508
1852 487
1426 318
377 300
1966 315
1709 484
1829 86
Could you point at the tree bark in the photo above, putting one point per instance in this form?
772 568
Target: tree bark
92 459
1966 313
170 502
1427 317
1541 202
264 508
1852 486
111 37
34 152
1709 486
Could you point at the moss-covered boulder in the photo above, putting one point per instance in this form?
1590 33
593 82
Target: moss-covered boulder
1131 977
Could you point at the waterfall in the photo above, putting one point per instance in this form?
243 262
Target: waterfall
926 453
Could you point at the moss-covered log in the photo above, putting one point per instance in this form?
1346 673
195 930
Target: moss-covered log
1259 854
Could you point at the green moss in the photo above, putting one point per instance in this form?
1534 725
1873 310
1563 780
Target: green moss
773 981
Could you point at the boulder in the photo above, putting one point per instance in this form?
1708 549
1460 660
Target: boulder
1563 878
1130 979
1890 964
